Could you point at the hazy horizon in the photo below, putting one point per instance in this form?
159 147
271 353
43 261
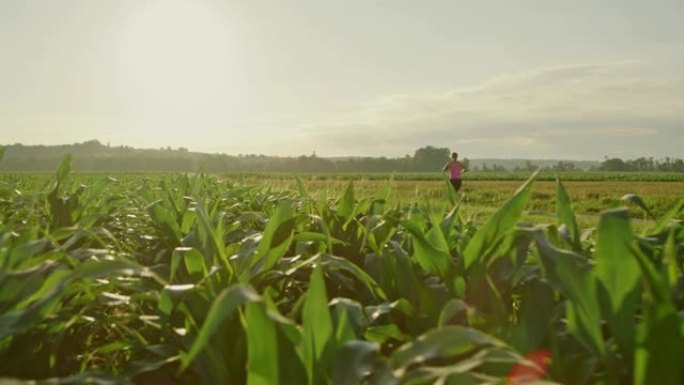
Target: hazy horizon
166 148
529 80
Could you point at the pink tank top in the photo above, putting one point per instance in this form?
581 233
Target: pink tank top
455 169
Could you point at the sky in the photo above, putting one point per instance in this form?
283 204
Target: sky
581 79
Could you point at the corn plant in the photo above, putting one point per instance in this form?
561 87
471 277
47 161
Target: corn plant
198 279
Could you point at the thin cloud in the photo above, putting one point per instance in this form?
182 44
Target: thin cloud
626 131
534 109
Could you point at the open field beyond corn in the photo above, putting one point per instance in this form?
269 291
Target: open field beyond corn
483 197
200 279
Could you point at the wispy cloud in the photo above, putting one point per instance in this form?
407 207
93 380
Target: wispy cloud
587 110
627 131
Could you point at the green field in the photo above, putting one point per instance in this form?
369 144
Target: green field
266 279
480 198
580 176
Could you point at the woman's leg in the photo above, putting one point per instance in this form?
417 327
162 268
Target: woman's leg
456 183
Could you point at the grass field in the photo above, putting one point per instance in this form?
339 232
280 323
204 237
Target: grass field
482 197
200 279
585 176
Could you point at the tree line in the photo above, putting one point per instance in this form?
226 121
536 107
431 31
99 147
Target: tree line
95 156
643 164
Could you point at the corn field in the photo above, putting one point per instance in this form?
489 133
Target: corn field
192 279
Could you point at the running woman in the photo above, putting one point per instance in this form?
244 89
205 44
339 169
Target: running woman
455 169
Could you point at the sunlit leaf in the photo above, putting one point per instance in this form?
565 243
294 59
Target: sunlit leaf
64 168
495 228
318 334
566 215
618 292
263 361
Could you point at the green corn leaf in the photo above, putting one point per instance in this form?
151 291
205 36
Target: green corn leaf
223 307
660 344
16 286
274 244
164 220
317 334
483 294
301 189
332 263
324 229
658 357
354 319
399 306
381 197
384 193
497 226
672 272
453 309
288 340
64 168
87 377
22 319
635 199
566 215
451 194
277 237
617 291
108 268
354 362
42 287
444 343
571 275
309 236
344 329
19 320
96 190
176 259
25 252
536 312
345 206
666 219
384 333
214 232
263 360
360 207
432 257
194 262
487 366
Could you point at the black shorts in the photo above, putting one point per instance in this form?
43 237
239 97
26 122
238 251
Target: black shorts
456 183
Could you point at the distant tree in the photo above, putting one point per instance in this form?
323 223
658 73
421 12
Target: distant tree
613 164
677 165
498 168
641 164
430 158
562 166
89 143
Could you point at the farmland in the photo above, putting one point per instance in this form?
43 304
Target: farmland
481 197
262 279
